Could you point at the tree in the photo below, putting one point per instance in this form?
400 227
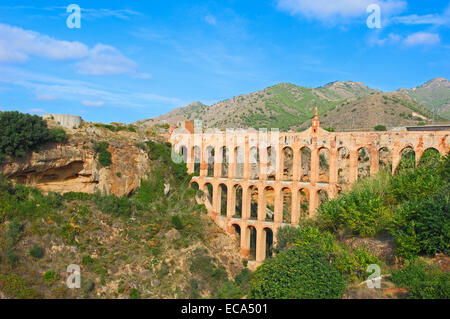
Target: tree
23 133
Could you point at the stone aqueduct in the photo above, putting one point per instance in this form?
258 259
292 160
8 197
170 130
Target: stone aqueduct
257 181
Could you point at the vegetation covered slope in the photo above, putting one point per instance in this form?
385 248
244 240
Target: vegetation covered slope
287 106
434 95
387 109
150 245
279 106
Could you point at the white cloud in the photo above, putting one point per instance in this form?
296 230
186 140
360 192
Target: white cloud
326 10
414 19
93 103
17 44
37 111
45 97
422 38
210 19
106 60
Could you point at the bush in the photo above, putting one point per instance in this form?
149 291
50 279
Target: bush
135 294
50 276
361 211
36 252
300 272
58 134
104 156
16 286
422 226
176 222
380 128
423 281
22 133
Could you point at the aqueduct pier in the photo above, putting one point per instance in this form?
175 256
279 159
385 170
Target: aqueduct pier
257 181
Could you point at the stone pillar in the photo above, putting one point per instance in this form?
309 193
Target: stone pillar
296 165
245 202
279 163
374 162
247 166
278 218
231 200
217 162
353 166
190 159
203 162
260 244
216 198
314 165
261 202
245 240
395 159
232 164
312 201
295 214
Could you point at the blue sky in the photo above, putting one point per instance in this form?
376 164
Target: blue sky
140 59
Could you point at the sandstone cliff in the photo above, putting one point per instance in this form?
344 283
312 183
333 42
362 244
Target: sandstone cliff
73 167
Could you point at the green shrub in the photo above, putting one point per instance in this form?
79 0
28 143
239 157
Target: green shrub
423 281
300 272
87 260
22 133
135 294
380 128
423 225
104 156
58 134
17 287
50 276
176 222
361 211
36 252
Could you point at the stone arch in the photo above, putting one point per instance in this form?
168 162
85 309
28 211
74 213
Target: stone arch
210 157
363 162
252 240
225 158
287 204
236 229
269 242
407 159
385 158
237 193
322 197
305 159
288 163
303 198
183 152
343 165
196 153
271 163
253 202
209 192
254 162
194 185
269 203
429 156
239 162
324 165
223 199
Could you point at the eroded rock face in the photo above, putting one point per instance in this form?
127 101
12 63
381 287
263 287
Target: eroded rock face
73 166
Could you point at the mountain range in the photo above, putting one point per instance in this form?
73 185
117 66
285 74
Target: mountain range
342 106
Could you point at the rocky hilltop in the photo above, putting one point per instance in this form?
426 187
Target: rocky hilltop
72 166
